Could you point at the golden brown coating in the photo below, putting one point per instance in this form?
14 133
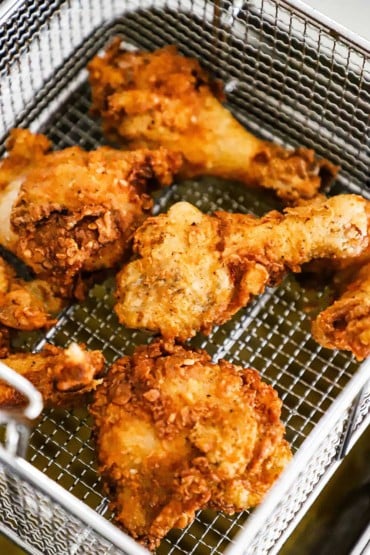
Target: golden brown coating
26 305
193 271
346 269
27 149
71 211
62 376
4 342
346 323
342 271
176 433
162 98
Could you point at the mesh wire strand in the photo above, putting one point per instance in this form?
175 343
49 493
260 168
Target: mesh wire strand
273 71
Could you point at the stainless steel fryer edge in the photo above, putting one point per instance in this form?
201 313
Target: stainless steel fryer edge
69 502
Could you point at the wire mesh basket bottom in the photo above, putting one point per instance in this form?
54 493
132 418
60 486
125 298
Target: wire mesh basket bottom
273 333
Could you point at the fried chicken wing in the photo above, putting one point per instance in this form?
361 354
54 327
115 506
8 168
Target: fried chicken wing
62 376
193 271
176 433
71 211
25 305
162 98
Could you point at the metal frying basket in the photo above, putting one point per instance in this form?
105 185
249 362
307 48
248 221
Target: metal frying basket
290 77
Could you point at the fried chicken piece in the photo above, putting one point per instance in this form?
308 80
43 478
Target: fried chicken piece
339 272
194 271
346 323
27 149
176 433
4 342
346 269
26 305
63 376
71 211
161 98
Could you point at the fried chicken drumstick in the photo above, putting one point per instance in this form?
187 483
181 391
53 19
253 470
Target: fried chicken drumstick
62 376
161 98
25 305
71 211
193 271
176 433
345 324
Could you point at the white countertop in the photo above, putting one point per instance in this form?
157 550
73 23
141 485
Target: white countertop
352 14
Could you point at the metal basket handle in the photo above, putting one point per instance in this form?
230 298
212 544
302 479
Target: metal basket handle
17 422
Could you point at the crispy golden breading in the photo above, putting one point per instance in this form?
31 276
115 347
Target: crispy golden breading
72 211
346 269
165 99
193 271
27 149
4 342
346 323
342 271
62 376
25 305
176 433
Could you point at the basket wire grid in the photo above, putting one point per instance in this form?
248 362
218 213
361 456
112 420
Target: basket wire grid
288 79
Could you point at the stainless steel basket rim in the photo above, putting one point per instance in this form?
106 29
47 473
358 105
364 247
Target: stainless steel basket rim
9 7
243 538
74 505
294 468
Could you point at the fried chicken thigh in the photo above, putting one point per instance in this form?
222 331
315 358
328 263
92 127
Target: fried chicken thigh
25 305
71 211
162 98
193 271
62 376
176 433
